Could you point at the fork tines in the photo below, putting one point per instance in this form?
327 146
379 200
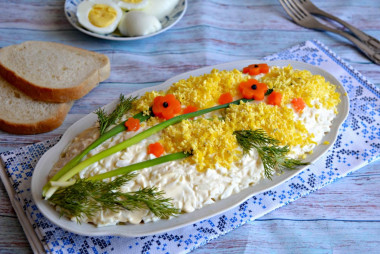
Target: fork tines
294 10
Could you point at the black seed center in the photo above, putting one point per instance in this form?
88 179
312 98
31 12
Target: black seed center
165 104
256 66
254 87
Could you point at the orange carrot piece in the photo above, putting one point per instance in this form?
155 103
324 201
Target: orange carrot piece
225 98
156 149
189 109
132 124
275 98
298 104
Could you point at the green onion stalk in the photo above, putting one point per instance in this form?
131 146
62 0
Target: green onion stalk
129 169
85 197
112 132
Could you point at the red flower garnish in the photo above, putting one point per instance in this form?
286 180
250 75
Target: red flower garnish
156 148
189 109
253 89
298 104
255 69
166 106
132 124
225 98
275 98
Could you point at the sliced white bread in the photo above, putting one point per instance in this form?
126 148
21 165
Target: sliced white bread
21 114
52 72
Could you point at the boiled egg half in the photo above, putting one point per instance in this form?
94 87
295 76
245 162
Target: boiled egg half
137 23
132 4
99 16
160 8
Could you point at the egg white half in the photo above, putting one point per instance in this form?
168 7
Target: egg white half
160 8
84 9
137 23
132 5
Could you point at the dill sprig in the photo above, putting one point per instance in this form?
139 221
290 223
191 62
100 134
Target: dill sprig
86 197
271 154
103 137
105 120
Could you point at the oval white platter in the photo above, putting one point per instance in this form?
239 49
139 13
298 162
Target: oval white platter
50 157
167 22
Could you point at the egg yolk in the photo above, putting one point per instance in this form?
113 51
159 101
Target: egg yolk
132 1
102 15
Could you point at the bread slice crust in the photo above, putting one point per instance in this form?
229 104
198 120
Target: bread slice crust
46 125
22 115
54 94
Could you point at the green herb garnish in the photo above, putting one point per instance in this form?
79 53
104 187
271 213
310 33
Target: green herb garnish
112 132
269 91
85 197
271 154
106 120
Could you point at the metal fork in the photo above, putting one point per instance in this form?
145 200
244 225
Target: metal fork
367 39
305 19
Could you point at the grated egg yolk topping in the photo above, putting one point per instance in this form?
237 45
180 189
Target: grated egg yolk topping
132 1
143 103
212 141
278 122
201 91
204 91
301 84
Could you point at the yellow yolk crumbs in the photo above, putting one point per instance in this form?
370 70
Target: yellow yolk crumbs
277 122
143 103
201 91
204 91
211 141
132 1
102 15
301 84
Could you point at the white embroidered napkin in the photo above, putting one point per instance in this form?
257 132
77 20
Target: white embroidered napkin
357 145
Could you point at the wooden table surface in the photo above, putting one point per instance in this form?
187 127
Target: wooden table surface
343 217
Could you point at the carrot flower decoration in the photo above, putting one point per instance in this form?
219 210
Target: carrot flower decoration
166 106
256 69
132 124
253 89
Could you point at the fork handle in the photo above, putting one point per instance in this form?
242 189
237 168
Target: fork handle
372 54
367 39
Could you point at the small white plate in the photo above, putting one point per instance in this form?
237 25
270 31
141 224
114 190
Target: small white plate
167 22
129 230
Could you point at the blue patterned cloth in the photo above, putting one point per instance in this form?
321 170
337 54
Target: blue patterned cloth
357 145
